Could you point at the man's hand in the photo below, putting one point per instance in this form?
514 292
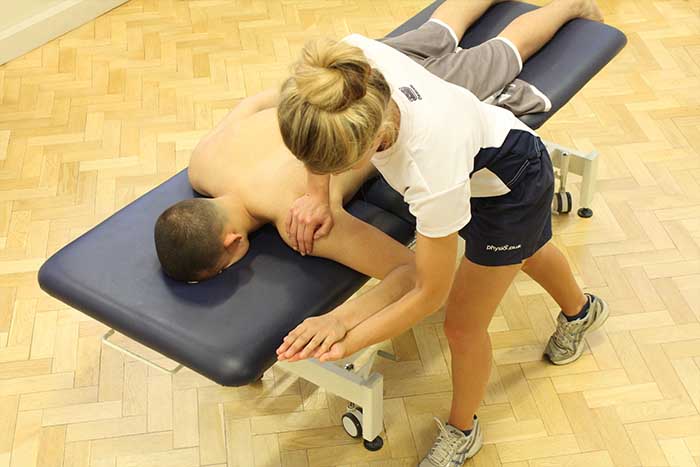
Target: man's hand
314 337
341 349
338 351
309 219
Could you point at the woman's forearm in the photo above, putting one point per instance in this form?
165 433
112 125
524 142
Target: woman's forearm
394 286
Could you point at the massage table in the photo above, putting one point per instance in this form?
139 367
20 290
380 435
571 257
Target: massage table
229 327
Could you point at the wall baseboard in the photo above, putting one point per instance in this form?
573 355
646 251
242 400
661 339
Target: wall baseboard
56 20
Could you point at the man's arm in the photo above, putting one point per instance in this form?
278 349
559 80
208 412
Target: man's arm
253 104
209 144
244 109
368 250
435 271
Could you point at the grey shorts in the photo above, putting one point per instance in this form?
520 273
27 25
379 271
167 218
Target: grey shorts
488 70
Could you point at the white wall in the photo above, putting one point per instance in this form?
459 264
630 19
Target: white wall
27 24
15 11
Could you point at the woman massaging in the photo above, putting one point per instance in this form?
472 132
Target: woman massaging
465 167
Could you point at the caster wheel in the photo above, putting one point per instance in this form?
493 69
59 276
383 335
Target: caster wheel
374 445
585 213
352 423
562 202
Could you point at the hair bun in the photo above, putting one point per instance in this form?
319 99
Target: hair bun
332 75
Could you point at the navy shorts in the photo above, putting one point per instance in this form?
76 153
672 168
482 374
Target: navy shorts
510 228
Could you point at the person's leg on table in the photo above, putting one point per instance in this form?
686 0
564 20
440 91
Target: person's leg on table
532 30
488 68
440 36
461 14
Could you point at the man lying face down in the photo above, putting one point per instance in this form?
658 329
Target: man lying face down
251 179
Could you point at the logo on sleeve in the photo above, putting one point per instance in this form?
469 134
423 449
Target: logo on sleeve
411 93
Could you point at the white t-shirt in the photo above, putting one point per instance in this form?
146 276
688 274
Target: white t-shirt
443 128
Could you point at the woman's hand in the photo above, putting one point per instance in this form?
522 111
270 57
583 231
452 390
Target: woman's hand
309 219
314 337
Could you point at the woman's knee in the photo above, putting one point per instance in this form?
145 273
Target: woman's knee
463 334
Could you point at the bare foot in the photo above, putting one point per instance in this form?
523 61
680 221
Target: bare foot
589 10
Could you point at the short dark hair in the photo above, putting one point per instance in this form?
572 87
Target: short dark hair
188 239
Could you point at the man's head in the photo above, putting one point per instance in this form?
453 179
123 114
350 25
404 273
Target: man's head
195 240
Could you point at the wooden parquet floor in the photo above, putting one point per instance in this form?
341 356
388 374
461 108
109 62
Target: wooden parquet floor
94 119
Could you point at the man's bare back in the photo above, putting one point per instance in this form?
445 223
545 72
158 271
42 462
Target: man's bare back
245 162
247 156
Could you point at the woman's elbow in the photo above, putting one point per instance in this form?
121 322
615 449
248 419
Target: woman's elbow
408 276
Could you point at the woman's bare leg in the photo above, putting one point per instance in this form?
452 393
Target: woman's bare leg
476 292
531 31
549 268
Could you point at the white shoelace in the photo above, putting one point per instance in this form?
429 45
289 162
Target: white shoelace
444 445
565 333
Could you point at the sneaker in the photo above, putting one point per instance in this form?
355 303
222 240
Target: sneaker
452 447
566 344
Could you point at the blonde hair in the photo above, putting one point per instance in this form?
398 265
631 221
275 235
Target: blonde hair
333 106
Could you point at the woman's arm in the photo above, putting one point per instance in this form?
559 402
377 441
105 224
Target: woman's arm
310 217
403 298
435 270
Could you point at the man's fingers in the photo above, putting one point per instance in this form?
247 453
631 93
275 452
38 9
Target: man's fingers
294 333
325 346
296 346
310 347
282 351
282 348
335 353
286 342
289 340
